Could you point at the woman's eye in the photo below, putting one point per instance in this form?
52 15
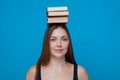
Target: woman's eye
65 39
52 39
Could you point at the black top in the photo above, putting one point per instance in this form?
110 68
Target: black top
75 77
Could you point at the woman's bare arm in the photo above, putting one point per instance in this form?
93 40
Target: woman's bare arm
82 74
31 73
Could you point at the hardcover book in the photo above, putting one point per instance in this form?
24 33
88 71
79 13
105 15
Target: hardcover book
58 13
57 19
57 8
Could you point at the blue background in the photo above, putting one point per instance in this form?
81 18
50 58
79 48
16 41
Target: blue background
94 26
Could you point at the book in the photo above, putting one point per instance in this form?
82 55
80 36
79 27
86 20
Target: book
57 8
58 13
57 19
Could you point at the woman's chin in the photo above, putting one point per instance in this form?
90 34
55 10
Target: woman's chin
58 55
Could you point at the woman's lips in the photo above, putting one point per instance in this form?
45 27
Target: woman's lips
59 50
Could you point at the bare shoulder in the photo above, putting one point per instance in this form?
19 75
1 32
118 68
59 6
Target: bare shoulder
82 73
31 73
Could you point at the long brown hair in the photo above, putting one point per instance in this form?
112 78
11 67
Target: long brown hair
45 55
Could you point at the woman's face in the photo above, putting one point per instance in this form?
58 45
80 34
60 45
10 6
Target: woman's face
59 42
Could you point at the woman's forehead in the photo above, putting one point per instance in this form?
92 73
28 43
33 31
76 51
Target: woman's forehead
59 32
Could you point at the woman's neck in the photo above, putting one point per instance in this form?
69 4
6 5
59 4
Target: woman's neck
57 63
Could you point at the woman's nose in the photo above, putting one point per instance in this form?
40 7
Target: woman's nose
59 44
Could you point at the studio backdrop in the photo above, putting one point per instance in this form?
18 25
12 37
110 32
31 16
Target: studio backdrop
94 27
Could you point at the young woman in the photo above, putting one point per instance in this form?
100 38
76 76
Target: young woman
57 60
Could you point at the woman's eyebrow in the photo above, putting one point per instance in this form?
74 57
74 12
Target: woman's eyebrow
65 36
53 36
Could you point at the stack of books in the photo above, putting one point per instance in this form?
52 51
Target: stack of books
57 14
